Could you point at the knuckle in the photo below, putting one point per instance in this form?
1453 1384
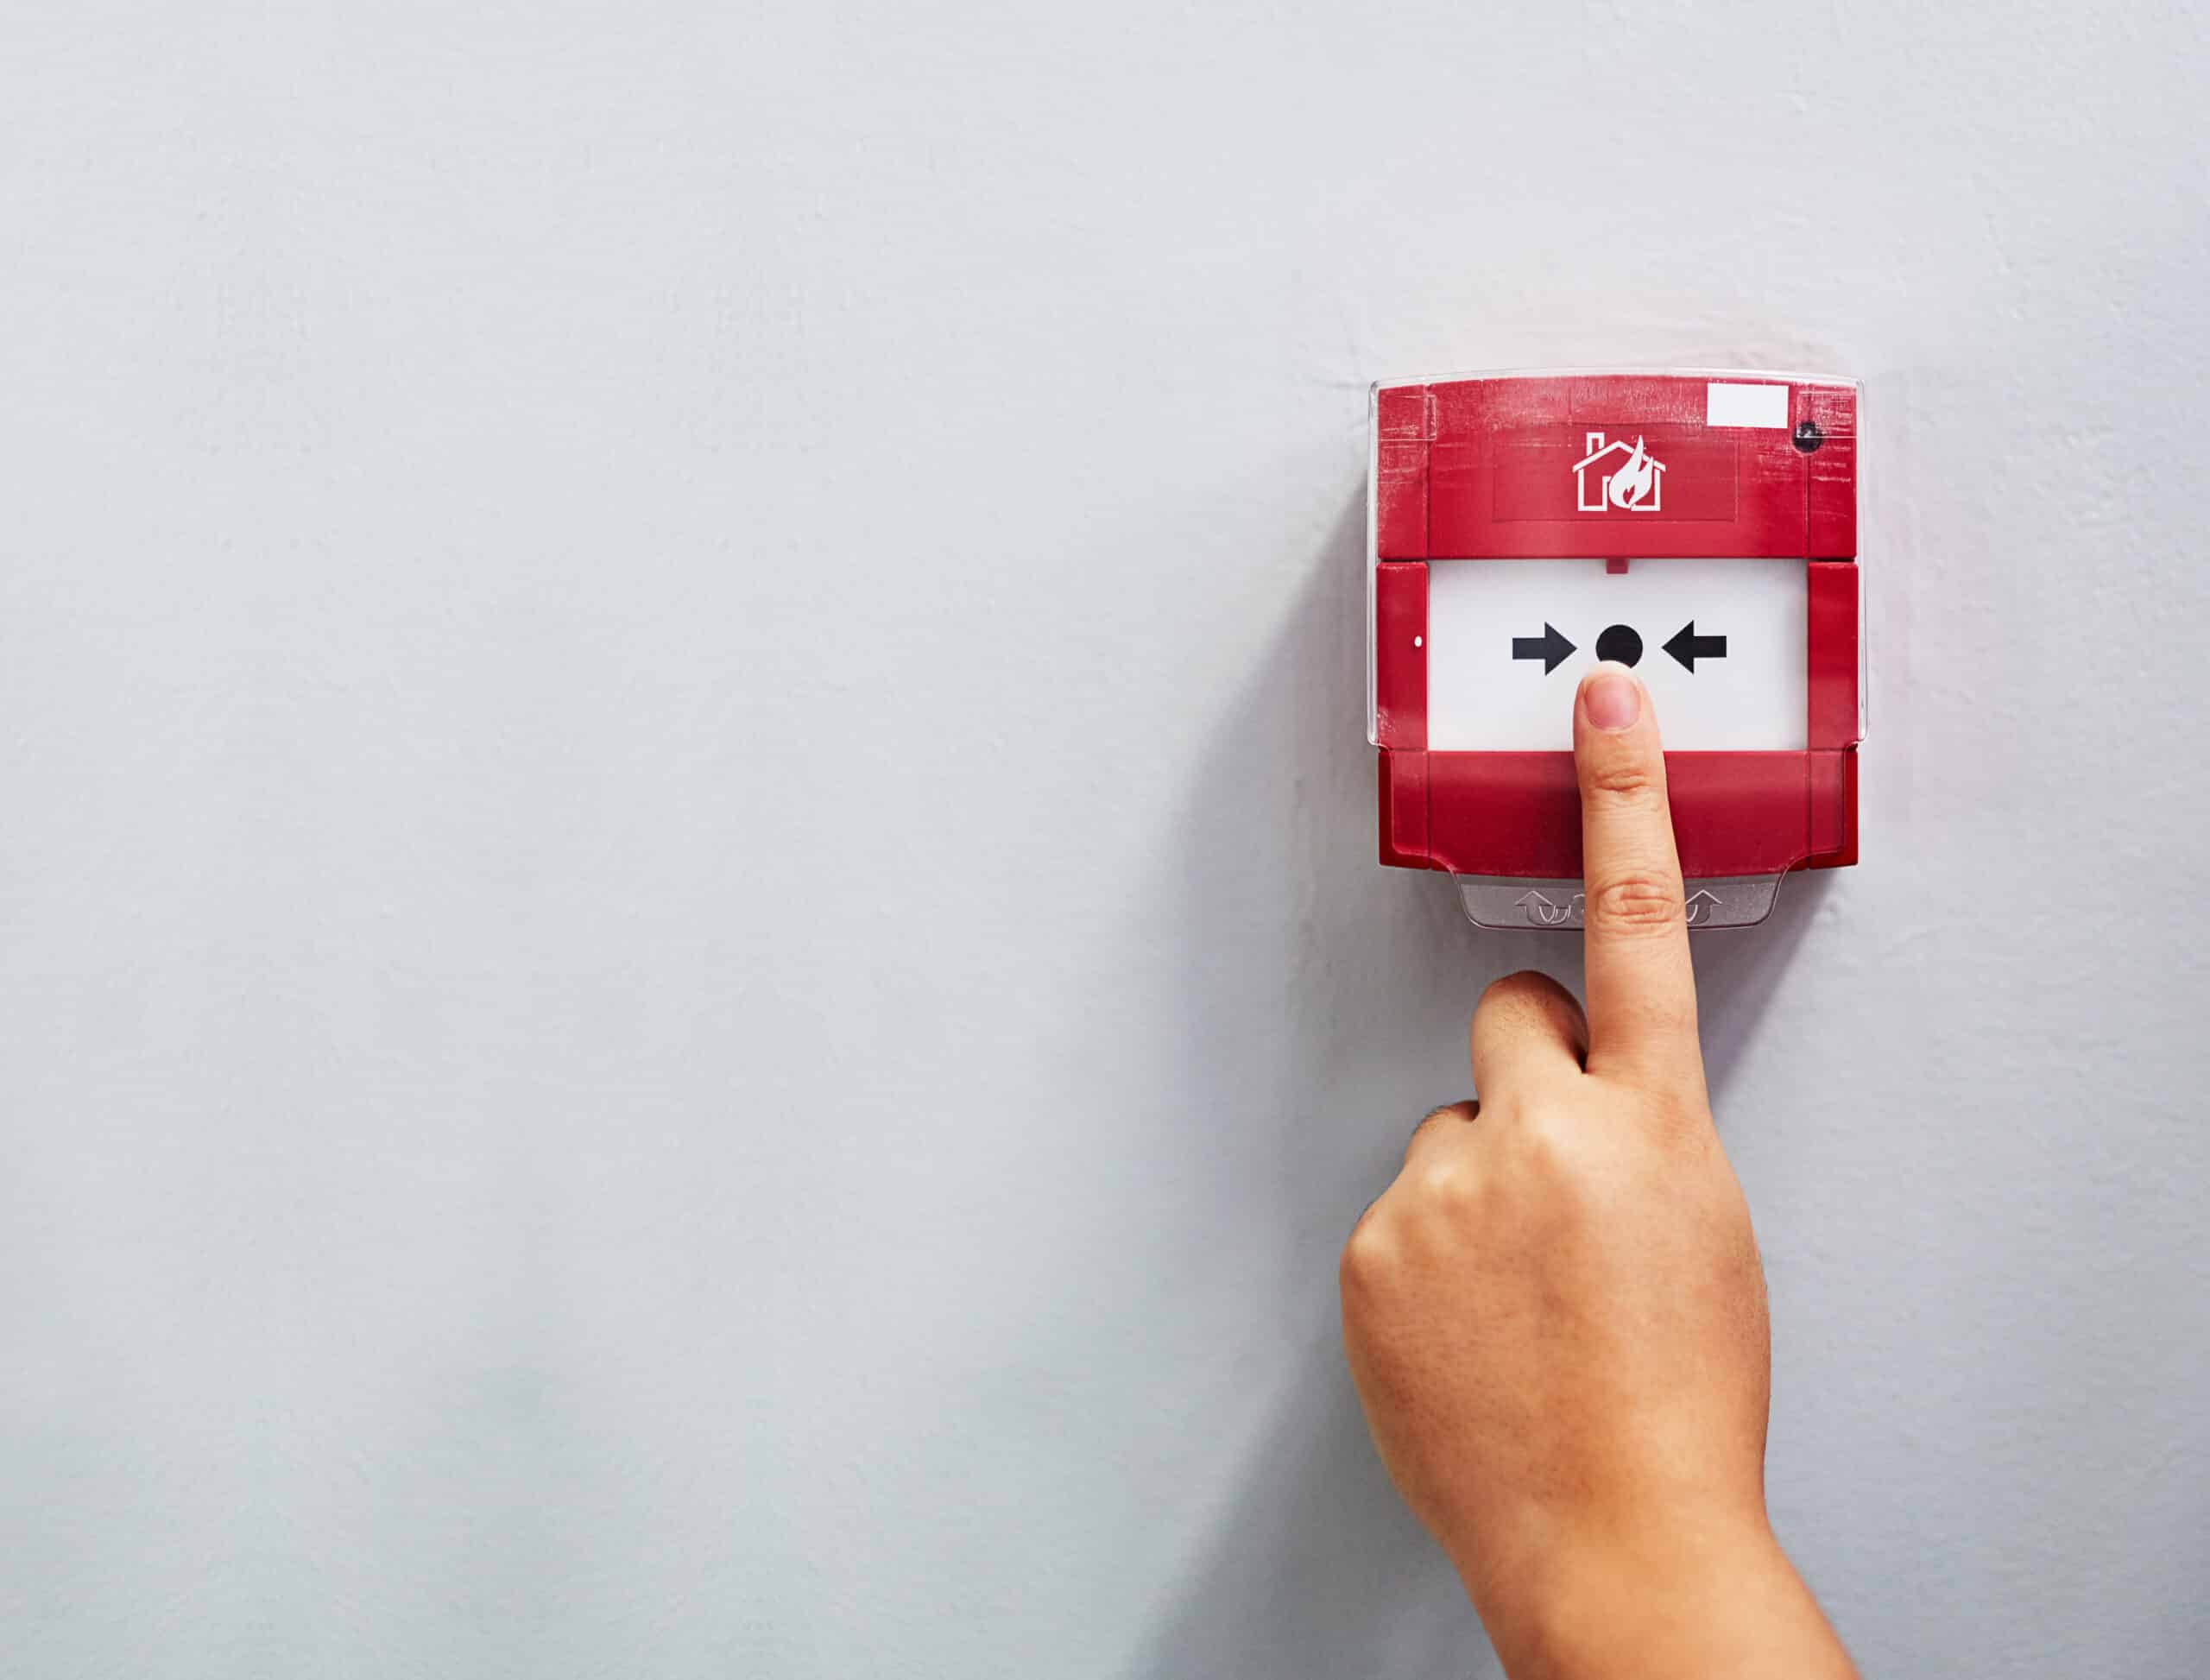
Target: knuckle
1635 901
1558 1165
1370 1255
1551 1150
1448 1190
1624 778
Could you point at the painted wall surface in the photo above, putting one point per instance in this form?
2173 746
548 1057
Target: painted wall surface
692 980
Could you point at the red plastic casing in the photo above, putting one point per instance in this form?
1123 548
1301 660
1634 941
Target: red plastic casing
1481 467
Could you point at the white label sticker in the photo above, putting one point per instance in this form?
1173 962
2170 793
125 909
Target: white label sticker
1719 644
1745 405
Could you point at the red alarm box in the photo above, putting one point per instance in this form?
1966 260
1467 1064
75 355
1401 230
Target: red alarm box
1699 527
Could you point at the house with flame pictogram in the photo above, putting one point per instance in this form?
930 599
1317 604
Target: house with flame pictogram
1614 474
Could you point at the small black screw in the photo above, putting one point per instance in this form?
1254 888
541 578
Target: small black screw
1807 437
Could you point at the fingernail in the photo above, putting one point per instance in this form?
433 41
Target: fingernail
1613 698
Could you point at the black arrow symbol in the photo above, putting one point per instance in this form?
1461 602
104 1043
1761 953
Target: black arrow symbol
1550 647
1688 647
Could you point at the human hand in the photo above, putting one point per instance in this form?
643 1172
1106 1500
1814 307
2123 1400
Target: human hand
1555 1315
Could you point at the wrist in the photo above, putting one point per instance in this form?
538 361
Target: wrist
1703 1597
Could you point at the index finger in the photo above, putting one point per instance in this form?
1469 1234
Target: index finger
1641 987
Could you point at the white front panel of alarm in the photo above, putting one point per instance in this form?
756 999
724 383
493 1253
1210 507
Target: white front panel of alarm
1492 626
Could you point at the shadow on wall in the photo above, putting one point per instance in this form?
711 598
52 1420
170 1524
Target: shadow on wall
1736 970
1308 1564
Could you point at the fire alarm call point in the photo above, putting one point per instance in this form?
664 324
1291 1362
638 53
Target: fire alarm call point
1701 528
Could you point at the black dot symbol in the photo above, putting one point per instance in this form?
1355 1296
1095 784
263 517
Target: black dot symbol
1619 643
1807 436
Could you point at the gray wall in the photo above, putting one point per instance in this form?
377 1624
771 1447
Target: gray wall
693 976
